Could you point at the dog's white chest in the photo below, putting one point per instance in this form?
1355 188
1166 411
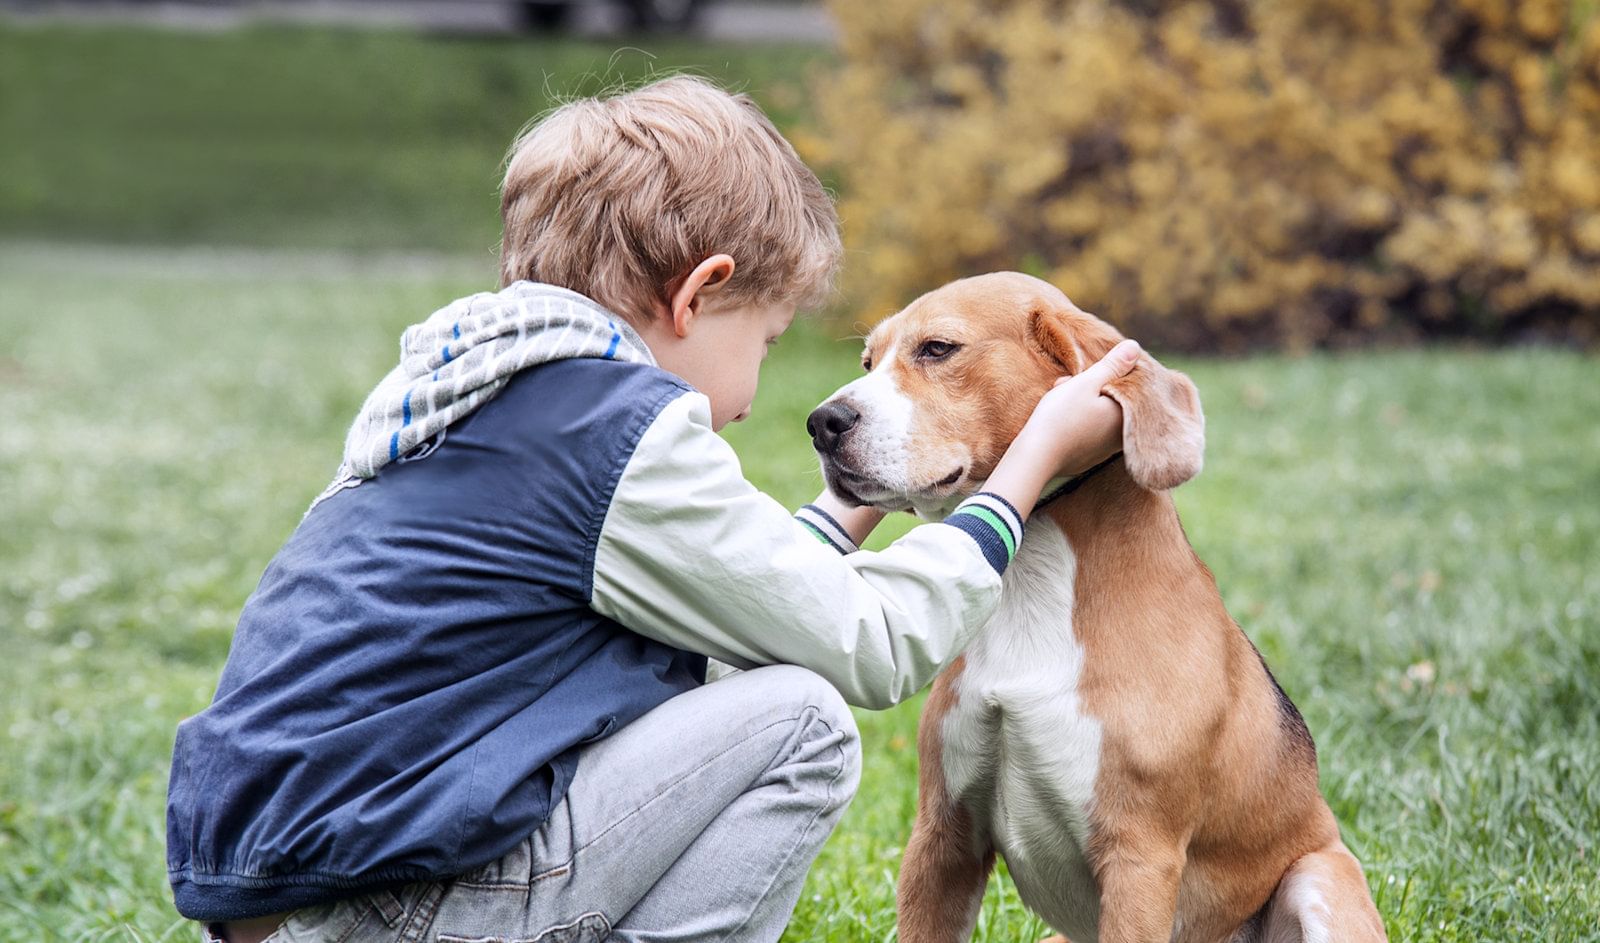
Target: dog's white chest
1018 749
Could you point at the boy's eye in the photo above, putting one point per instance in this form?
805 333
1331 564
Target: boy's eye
936 350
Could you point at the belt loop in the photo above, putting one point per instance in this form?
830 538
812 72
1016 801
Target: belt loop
422 916
388 907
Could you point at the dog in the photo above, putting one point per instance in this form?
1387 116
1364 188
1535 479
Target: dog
1111 732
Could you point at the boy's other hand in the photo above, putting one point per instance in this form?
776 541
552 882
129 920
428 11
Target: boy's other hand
858 522
1071 430
1075 424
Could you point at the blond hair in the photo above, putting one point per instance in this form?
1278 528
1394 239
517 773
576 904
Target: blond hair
620 197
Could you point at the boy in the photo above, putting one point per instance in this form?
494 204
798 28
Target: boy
466 700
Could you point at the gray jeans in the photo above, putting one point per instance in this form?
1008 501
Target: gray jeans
696 822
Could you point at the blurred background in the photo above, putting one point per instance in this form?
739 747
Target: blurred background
1369 229
1213 175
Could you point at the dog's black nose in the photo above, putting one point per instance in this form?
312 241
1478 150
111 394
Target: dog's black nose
828 423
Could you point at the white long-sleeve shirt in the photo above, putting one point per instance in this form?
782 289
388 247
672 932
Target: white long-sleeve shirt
694 556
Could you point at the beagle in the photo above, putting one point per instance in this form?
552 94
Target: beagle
1111 732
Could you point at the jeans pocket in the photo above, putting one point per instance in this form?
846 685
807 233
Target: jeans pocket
335 921
589 928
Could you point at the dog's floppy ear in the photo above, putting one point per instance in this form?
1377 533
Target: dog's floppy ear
1163 429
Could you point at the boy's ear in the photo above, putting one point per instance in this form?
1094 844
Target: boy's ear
1163 429
704 280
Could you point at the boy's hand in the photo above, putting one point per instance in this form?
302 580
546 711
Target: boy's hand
858 522
1075 426
1072 429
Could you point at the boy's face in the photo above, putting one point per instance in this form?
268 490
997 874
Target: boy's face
721 353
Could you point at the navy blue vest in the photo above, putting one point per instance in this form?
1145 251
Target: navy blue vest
411 681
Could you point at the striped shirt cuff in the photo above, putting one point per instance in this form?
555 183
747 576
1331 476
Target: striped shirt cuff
991 521
822 526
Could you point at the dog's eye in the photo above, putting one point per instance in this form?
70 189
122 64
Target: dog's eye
936 350
866 364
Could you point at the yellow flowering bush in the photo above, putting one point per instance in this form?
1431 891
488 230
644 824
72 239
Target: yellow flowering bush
1230 174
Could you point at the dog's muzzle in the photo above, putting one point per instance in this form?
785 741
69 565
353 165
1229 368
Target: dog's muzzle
829 425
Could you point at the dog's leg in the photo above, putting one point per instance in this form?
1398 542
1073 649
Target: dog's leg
1323 897
1139 893
948 860
942 878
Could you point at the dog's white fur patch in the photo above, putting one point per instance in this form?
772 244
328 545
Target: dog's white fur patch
901 474
1018 749
1299 914
880 444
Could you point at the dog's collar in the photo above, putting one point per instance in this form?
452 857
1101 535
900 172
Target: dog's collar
1073 484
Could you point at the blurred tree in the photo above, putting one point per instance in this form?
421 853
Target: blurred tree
1230 174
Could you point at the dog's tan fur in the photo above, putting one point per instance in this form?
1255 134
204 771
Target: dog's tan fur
1207 824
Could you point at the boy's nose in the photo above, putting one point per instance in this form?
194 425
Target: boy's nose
828 424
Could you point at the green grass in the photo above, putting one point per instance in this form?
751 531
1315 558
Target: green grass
303 137
169 417
1411 538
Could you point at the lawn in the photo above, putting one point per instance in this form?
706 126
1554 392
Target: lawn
304 137
1410 538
